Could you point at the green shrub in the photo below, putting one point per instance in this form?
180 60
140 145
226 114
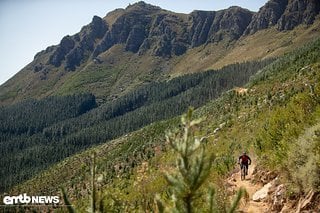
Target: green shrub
191 172
304 162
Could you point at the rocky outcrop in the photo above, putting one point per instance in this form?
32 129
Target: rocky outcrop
262 193
145 29
299 12
229 24
284 14
201 24
168 36
66 45
104 45
267 16
130 29
74 58
71 50
135 38
278 198
215 26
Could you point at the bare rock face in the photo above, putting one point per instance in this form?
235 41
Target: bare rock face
267 16
285 14
146 29
299 12
72 49
166 34
74 58
66 44
230 24
201 24
130 29
135 38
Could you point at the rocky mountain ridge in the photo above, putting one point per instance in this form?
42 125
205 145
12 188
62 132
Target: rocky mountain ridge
143 28
143 43
284 14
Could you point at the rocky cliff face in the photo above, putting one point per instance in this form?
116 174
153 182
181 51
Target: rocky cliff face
299 12
72 50
267 16
145 29
285 14
216 26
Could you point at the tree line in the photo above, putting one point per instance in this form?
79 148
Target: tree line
34 134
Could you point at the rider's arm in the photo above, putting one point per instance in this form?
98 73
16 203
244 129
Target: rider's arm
249 159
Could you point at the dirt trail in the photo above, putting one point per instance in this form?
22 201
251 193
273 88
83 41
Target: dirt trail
249 206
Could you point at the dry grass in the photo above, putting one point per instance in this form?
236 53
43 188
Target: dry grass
263 44
269 43
113 16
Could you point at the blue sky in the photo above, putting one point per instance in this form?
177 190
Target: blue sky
29 26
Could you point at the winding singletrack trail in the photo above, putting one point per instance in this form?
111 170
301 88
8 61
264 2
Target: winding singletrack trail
248 205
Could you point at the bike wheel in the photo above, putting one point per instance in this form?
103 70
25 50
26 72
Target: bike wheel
243 173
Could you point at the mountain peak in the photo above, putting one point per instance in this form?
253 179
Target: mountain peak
137 4
141 5
236 8
144 30
141 28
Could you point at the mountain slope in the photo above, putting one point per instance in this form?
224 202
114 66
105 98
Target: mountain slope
270 118
142 43
135 63
76 122
130 61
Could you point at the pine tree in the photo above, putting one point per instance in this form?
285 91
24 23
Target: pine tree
192 170
193 166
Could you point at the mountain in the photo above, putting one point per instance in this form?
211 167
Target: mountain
54 128
129 47
143 29
275 116
119 85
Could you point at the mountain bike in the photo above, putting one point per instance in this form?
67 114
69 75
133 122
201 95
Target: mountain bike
244 171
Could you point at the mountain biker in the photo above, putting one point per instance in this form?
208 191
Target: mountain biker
244 160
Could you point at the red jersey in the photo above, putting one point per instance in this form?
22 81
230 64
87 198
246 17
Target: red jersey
244 159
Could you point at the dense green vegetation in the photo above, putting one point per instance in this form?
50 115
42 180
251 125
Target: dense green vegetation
288 137
185 185
35 134
159 100
277 119
23 149
32 116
